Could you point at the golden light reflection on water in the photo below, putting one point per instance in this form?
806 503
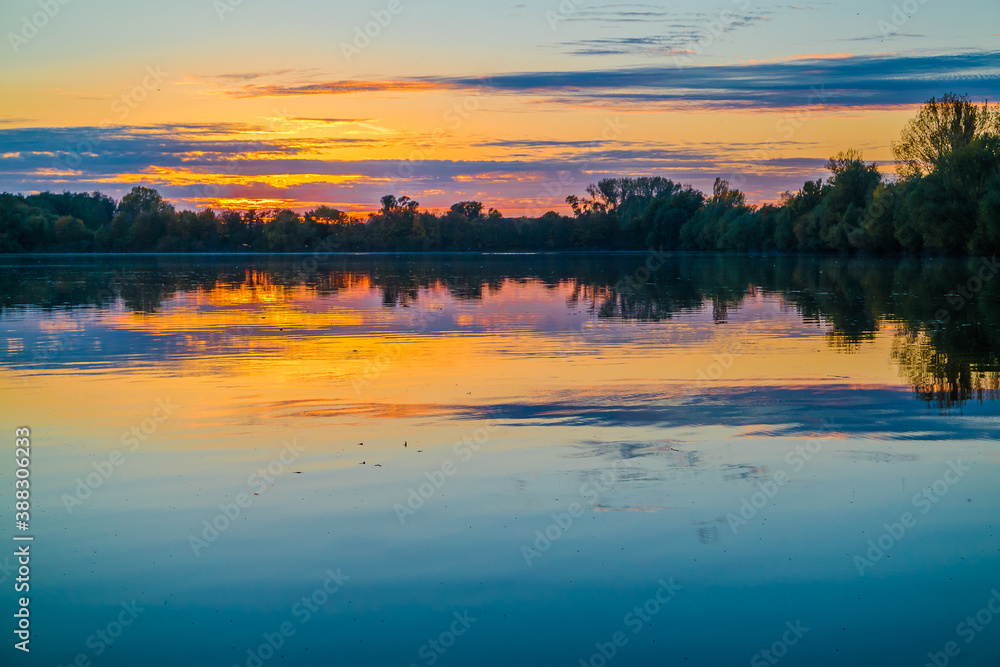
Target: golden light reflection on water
387 342
697 390
499 345
272 355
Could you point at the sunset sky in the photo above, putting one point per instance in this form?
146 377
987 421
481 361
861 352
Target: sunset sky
517 104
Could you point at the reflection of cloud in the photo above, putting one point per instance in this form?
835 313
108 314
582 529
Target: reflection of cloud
789 410
643 510
883 457
216 309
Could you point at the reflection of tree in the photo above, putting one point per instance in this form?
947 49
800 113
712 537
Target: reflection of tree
708 534
649 305
944 378
948 359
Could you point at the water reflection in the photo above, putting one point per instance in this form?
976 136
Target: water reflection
946 346
658 406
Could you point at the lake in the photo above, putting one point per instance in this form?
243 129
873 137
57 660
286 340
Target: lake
623 459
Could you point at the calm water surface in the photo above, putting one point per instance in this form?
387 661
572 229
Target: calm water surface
505 460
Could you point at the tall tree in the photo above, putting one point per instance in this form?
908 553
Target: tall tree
941 127
469 209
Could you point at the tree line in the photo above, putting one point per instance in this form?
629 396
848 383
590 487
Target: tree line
945 199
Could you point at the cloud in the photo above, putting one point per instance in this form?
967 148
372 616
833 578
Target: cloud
835 82
539 143
881 38
665 19
333 121
653 46
215 164
176 142
337 88
855 81
683 33
238 77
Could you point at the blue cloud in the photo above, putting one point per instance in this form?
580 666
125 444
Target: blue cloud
854 81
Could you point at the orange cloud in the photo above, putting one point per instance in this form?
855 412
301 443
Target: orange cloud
338 88
243 204
181 177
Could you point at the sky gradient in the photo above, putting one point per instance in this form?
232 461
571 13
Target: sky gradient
265 104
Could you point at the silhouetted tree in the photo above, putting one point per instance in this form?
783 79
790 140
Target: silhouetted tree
941 127
949 202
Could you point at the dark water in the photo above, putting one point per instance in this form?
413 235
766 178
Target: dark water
603 463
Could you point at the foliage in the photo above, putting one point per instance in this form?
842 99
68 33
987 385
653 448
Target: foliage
948 201
941 127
